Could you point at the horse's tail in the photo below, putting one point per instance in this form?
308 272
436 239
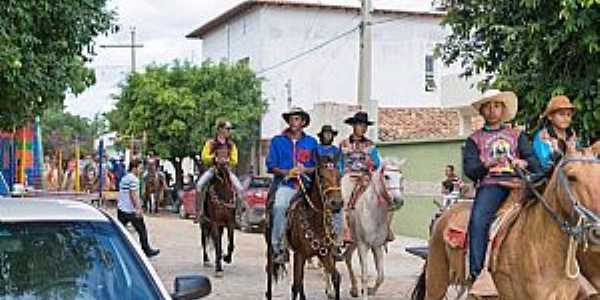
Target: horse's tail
418 292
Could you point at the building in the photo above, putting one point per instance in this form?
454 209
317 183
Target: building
307 51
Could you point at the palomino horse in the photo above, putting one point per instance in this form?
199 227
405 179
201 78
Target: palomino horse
309 231
220 211
368 221
536 259
589 253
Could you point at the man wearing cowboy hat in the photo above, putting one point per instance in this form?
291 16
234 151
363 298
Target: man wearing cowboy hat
359 159
222 140
555 135
489 159
291 155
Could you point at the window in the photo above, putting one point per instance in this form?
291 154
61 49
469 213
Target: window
429 74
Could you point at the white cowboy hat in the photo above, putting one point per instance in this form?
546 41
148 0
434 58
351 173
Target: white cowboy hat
511 103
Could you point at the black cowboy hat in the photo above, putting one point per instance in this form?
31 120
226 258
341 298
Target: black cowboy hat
358 118
296 111
326 128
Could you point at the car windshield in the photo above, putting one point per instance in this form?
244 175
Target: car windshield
70 260
260 182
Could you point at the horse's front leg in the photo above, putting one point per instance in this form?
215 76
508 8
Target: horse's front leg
204 236
230 246
217 233
353 283
298 285
363 252
328 263
378 258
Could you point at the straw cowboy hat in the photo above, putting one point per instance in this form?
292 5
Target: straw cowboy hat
327 128
296 111
557 103
359 117
509 99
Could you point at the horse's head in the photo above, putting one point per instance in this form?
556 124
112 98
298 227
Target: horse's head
390 182
575 185
327 177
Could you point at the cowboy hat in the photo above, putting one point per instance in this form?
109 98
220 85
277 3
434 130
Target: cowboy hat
296 111
359 117
327 128
557 103
511 103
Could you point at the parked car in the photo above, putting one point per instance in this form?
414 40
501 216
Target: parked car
252 216
64 249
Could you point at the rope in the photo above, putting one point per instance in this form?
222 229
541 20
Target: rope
572 266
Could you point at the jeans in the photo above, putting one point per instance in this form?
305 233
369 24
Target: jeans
488 200
338 226
138 224
283 197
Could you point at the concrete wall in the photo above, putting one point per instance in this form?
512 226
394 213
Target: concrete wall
425 162
269 35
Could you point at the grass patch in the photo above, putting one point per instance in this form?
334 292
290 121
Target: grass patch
414 217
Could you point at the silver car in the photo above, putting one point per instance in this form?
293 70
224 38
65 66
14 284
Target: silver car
62 249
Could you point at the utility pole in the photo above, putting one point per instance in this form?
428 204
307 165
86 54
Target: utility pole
131 46
365 71
288 88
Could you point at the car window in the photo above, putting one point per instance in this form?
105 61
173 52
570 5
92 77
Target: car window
260 182
70 260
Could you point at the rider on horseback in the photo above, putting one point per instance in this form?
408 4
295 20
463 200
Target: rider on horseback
290 157
359 159
556 134
222 140
489 159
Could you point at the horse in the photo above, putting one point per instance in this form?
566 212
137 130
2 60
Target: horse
535 259
309 232
368 219
154 187
220 210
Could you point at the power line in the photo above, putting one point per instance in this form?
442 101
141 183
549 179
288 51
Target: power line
389 20
308 51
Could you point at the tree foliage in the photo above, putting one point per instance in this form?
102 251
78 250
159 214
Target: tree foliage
60 129
536 48
176 106
43 48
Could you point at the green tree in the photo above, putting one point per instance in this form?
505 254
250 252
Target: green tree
60 129
536 48
176 107
43 48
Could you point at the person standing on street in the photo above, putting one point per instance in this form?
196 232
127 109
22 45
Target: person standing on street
130 206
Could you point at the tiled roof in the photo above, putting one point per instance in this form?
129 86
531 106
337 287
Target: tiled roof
249 4
417 123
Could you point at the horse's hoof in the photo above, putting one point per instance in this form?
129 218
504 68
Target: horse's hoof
219 274
227 259
354 293
371 291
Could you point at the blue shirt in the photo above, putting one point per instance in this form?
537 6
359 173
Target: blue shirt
285 154
328 150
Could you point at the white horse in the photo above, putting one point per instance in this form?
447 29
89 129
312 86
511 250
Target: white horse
368 221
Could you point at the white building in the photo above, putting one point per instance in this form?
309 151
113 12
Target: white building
287 43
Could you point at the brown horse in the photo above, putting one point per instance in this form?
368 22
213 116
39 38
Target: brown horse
536 258
309 231
220 211
589 253
154 187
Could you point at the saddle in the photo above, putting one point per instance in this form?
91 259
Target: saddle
456 237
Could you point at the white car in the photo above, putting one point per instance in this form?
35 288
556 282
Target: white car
62 249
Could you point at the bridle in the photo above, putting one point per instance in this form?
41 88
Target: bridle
582 218
384 191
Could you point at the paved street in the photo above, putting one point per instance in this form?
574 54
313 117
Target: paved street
178 241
